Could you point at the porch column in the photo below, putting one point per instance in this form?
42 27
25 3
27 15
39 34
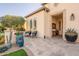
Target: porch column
64 23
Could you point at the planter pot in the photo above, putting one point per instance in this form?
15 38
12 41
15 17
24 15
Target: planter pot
20 40
3 49
9 45
71 38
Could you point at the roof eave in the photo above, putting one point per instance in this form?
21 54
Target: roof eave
44 3
40 9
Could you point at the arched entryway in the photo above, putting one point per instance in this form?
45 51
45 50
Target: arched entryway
57 24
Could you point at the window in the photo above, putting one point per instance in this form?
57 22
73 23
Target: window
35 24
30 24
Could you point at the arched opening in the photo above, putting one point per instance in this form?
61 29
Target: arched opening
57 24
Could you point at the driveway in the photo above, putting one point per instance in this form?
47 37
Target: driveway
51 47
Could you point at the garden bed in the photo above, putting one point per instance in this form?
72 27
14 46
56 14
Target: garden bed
20 52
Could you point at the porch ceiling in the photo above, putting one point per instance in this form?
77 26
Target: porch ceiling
57 16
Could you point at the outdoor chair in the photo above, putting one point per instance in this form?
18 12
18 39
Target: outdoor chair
34 34
57 32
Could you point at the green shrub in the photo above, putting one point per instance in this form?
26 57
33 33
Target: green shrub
71 32
20 52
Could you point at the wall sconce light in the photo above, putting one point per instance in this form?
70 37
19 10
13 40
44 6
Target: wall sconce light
72 17
46 9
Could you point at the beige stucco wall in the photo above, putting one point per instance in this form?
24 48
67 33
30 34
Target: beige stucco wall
67 10
44 19
39 17
48 25
74 24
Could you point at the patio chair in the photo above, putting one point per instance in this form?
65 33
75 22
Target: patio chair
34 34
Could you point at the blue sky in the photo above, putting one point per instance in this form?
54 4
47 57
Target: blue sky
18 9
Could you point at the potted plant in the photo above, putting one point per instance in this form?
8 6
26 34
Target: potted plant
71 35
19 39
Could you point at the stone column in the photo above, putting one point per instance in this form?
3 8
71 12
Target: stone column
7 34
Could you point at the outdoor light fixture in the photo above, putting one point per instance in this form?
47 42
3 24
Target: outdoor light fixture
72 17
46 9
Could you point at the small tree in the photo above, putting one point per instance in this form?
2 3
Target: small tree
13 22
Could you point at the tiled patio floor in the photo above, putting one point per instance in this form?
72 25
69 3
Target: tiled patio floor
51 47
47 47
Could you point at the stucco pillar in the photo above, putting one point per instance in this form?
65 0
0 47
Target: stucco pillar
64 23
7 34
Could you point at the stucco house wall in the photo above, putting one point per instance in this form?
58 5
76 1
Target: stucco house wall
44 19
67 9
48 25
74 24
39 17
